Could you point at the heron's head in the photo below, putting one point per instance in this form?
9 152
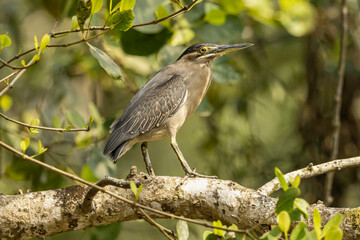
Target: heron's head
207 52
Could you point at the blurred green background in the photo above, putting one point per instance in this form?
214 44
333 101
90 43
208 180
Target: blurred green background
269 105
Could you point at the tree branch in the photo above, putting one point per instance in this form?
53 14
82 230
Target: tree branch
310 171
45 213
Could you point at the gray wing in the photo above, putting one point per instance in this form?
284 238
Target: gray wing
149 110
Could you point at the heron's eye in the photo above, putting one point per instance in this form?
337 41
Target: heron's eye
203 50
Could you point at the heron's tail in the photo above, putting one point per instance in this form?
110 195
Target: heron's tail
115 153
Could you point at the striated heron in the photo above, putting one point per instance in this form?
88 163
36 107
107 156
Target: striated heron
162 105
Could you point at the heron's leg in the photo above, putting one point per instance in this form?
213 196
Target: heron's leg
147 161
183 162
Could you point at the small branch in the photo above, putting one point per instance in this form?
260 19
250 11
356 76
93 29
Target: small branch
310 171
44 128
9 66
166 232
9 76
336 122
175 14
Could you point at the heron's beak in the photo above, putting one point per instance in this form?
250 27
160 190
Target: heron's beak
224 49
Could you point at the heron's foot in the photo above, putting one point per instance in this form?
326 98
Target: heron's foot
150 171
195 174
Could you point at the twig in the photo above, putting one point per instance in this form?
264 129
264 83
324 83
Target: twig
166 232
45 128
336 122
10 75
9 66
101 189
310 171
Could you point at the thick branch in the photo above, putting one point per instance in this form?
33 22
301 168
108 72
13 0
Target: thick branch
50 212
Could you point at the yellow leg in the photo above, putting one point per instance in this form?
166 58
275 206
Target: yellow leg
146 157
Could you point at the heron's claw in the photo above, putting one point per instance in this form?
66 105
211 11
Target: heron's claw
195 174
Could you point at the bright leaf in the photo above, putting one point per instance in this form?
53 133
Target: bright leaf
74 23
298 232
127 5
182 230
24 144
286 200
83 12
297 181
283 220
96 6
36 43
161 12
317 223
87 174
5 41
68 128
106 62
302 205
334 234
215 17
218 232
281 178
334 222
122 20
23 63
34 122
6 103
44 41
36 58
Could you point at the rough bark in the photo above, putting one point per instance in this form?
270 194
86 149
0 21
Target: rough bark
50 212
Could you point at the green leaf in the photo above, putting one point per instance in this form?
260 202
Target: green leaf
232 6
34 122
181 36
182 230
41 150
117 6
106 62
6 102
161 12
334 234
91 119
215 17
286 200
23 63
5 41
299 231
96 6
275 233
297 181
302 205
317 223
122 20
218 232
127 5
36 43
281 178
334 222
24 144
36 58
283 220
310 235
68 128
44 41
87 174
74 118
135 190
83 12
74 23
207 235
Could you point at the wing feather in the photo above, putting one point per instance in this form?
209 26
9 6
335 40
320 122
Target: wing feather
148 111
